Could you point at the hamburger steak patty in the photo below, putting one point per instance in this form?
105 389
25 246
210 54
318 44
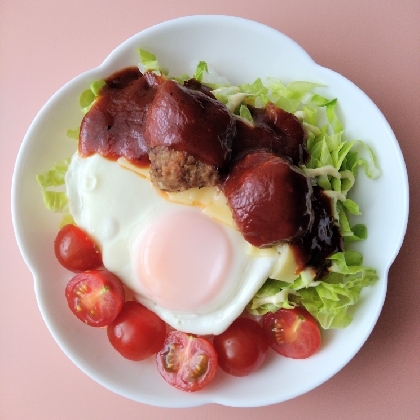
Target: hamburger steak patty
173 170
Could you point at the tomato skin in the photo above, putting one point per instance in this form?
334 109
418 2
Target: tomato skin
95 297
242 348
187 362
293 333
75 250
136 333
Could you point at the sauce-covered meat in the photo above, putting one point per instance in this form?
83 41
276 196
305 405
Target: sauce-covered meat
114 126
272 202
274 130
269 198
286 124
189 120
257 136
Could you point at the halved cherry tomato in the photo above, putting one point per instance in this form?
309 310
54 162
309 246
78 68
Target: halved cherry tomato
95 297
75 250
187 362
293 333
136 333
242 348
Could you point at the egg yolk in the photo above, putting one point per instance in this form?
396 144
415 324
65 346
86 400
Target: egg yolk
183 260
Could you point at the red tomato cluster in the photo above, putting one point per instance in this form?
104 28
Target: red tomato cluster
97 297
187 362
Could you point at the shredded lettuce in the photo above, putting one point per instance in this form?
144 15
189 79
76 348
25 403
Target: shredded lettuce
73 133
149 62
55 199
329 300
200 70
87 98
53 177
245 113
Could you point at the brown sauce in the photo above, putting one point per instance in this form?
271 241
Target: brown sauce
322 239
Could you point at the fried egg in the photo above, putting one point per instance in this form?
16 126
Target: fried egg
195 272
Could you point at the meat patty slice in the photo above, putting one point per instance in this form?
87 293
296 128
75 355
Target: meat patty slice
270 199
173 170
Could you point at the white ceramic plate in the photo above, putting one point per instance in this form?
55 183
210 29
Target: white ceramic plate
241 50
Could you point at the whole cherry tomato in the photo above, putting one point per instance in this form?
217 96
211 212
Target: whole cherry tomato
75 250
293 333
136 333
242 348
95 297
187 362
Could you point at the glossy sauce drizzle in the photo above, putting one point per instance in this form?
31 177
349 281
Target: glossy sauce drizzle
323 238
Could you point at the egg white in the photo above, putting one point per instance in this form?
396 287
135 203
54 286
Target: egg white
115 206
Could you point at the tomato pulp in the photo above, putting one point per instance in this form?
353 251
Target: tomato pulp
187 362
95 297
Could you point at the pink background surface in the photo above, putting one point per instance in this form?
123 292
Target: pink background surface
45 43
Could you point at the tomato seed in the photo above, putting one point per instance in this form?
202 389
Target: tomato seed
199 365
278 331
171 359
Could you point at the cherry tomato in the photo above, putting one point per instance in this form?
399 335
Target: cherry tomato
293 333
75 250
95 297
136 333
187 362
242 348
